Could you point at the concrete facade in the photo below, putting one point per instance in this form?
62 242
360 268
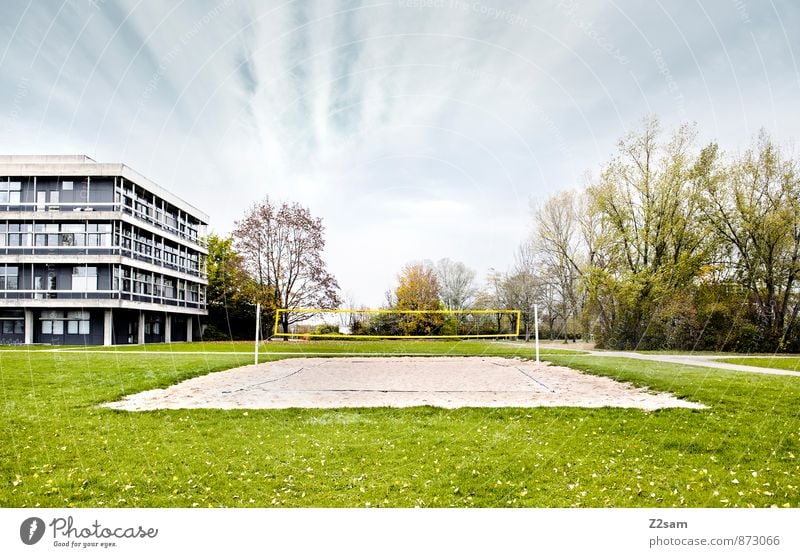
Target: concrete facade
94 253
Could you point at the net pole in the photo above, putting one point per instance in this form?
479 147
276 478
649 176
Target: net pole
536 329
258 328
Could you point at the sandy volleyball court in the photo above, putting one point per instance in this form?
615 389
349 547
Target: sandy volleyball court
447 382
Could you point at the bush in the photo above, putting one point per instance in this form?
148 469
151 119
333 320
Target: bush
326 329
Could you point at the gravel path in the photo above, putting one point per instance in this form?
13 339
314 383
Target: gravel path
696 360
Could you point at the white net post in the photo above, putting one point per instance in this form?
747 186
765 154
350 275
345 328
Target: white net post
536 329
258 328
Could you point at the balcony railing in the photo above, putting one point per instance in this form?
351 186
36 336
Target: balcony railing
89 207
97 295
72 207
100 250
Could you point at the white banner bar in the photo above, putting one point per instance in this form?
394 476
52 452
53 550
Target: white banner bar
439 532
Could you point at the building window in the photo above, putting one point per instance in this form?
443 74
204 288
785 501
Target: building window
46 235
70 235
52 322
18 234
169 288
126 279
9 277
78 323
152 326
10 192
99 235
66 185
71 322
84 279
13 326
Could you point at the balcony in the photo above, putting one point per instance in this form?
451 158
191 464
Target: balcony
98 295
183 230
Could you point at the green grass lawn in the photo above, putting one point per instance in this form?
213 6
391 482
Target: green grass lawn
683 352
14 347
779 362
57 448
374 347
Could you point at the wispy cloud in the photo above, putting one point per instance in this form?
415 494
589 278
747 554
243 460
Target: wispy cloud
416 129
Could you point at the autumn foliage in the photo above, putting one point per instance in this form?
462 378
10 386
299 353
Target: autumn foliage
418 289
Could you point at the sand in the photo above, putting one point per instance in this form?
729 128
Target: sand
447 382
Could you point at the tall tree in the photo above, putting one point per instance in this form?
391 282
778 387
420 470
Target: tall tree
224 269
754 208
674 247
562 247
282 249
230 289
647 204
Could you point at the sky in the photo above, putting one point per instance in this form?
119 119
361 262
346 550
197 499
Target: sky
416 129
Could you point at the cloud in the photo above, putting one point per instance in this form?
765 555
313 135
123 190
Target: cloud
416 129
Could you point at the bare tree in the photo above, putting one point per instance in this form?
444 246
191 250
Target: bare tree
522 287
457 288
560 242
282 249
456 284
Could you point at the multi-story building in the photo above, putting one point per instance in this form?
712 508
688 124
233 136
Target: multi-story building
95 253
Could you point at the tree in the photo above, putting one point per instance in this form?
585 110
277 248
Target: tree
456 284
417 290
677 248
494 295
562 248
282 249
522 287
647 204
230 313
224 270
754 209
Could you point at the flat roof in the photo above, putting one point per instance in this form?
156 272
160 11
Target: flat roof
81 165
44 158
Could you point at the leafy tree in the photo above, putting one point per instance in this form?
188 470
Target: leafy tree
282 249
754 208
222 266
418 289
673 247
647 202
229 292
